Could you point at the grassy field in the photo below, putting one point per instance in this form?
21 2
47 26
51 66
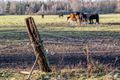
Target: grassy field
14 40
14 27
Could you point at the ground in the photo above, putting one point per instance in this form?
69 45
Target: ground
65 44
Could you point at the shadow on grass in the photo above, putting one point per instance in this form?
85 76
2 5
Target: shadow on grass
22 35
25 60
113 24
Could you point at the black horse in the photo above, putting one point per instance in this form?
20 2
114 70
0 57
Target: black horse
92 17
61 15
85 17
42 15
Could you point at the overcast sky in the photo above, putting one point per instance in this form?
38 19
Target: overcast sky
44 0
37 0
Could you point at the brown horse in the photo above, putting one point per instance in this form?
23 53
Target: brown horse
75 17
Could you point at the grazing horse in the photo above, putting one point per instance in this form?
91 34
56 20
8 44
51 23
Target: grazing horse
92 17
75 17
85 17
60 15
42 15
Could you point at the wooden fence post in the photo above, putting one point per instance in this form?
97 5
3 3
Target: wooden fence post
37 44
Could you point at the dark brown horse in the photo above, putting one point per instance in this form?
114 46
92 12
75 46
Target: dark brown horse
90 18
85 17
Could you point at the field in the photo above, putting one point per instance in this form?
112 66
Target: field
65 44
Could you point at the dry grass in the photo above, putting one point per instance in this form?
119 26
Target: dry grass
70 62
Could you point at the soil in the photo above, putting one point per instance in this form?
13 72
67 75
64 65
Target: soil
62 53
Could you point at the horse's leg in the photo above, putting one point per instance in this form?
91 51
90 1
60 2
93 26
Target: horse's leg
90 21
76 21
97 20
86 21
81 19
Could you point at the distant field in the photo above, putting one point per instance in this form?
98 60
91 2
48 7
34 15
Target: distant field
18 20
52 25
65 44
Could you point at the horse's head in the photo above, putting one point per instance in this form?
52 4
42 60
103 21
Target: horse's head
77 13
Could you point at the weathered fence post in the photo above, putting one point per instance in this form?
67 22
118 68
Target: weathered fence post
37 44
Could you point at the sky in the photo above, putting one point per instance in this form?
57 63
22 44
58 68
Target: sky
44 0
31 0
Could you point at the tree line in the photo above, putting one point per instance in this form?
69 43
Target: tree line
59 6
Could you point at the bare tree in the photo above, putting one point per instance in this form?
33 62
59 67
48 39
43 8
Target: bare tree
2 7
13 7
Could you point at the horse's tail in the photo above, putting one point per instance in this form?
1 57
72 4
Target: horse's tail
81 18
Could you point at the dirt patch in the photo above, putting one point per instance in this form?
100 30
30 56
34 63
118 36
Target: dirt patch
61 53
68 24
113 24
